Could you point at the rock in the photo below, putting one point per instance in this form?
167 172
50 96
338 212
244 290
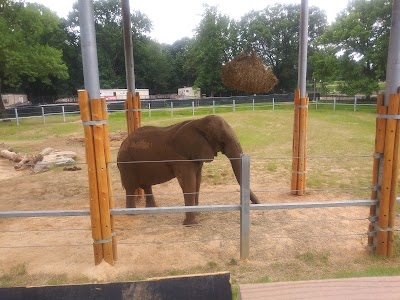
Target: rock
40 166
46 151
53 158
70 154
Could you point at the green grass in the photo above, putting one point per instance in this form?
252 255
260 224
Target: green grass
18 276
370 272
314 258
336 139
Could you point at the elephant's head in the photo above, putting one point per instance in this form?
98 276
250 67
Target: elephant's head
204 138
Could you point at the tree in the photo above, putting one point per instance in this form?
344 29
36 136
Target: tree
154 66
27 50
210 50
357 45
153 63
183 74
273 33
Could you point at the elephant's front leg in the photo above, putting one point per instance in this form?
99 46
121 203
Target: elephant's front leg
187 180
198 182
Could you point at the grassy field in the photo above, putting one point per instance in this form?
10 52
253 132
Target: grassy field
339 165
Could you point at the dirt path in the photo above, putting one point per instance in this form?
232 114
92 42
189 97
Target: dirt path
159 244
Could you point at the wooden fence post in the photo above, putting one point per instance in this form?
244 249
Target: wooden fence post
298 183
91 165
384 203
96 141
385 176
133 122
295 145
101 171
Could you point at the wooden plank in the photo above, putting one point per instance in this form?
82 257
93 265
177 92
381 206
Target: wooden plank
140 109
302 147
366 288
384 203
379 103
91 165
107 152
102 184
126 113
393 190
139 192
129 112
136 121
295 145
380 131
194 287
305 148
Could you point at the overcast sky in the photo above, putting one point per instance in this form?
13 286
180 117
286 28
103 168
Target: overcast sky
175 19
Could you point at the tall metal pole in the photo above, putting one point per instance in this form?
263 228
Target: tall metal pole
393 62
128 48
89 49
303 43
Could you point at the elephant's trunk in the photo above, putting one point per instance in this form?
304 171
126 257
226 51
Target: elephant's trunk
233 153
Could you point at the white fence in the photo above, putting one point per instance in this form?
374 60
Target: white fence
194 106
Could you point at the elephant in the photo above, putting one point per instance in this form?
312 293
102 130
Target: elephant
181 150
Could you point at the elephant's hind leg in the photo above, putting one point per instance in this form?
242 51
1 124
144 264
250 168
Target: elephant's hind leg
130 198
150 201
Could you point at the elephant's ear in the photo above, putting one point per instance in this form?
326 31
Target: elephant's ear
191 142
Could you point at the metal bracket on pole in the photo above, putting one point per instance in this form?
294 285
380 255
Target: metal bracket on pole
389 117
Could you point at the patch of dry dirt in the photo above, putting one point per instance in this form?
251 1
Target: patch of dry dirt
159 244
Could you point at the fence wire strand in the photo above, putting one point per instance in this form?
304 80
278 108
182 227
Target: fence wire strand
224 239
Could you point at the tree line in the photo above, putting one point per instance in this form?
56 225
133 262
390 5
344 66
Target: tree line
40 52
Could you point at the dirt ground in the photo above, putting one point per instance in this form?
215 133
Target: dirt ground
283 243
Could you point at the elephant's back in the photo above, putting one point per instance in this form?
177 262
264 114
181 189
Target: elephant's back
146 143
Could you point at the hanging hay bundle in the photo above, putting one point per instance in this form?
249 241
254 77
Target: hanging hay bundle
247 73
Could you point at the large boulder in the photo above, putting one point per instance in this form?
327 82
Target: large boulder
53 158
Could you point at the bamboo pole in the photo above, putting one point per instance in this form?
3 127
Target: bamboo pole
394 183
295 145
101 171
384 205
91 165
110 192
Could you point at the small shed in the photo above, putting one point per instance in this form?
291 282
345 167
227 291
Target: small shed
120 94
188 92
13 100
